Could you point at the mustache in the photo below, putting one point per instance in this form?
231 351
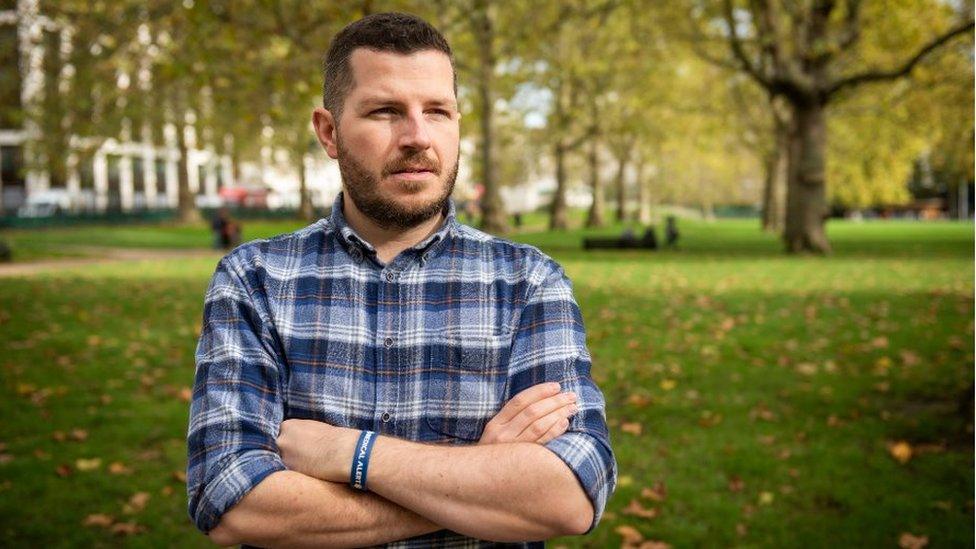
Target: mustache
416 162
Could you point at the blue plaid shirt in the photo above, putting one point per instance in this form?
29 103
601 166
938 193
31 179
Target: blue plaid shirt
428 347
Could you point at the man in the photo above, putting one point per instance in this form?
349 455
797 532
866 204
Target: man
387 374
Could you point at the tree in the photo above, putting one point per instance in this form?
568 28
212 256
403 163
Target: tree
802 53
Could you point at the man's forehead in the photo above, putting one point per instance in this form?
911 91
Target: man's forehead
375 71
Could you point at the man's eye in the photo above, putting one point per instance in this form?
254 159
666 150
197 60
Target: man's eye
383 111
440 112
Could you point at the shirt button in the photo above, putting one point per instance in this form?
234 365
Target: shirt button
390 276
386 417
388 342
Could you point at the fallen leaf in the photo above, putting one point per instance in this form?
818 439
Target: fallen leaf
185 394
633 428
806 368
6 458
91 464
100 520
636 509
901 451
180 476
911 541
78 434
657 493
127 528
910 358
630 534
63 470
118 468
652 544
766 498
741 529
136 503
624 481
639 400
668 384
736 484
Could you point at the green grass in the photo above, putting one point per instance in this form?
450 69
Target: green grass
790 374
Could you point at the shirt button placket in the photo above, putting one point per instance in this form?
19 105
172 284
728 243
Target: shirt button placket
391 389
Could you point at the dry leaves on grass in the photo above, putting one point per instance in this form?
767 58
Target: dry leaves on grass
136 503
633 539
99 520
901 451
634 508
89 464
911 541
658 492
633 428
119 468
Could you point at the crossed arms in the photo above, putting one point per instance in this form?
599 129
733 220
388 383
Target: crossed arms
505 489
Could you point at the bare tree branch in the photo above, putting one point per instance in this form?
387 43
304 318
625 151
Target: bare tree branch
904 69
736 44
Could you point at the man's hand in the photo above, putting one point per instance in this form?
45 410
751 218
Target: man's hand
537 414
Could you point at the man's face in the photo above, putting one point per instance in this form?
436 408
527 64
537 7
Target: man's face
397 139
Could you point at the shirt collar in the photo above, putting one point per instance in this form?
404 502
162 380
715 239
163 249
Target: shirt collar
351 238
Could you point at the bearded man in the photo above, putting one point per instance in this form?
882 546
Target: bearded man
388 375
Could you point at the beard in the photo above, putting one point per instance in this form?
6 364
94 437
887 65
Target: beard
364 189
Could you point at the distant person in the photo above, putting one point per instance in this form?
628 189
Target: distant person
671 233
628 238
649 239
227 231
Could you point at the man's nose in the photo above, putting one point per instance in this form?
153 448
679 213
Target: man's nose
414 133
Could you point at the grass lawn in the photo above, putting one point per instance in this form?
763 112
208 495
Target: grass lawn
754 399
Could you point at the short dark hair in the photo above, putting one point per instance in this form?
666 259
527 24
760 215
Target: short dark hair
387 32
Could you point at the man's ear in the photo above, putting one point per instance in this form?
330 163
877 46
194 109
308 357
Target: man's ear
326 127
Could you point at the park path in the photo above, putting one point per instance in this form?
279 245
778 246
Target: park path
98 255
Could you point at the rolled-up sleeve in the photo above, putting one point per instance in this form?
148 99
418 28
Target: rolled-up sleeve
550 345
236 408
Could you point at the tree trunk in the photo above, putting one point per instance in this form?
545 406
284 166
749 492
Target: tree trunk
775 167
187 208
621 184
595 217
557 211
493 219
643 196
806 202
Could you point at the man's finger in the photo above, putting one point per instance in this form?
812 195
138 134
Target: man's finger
525 398
558 428
537 410
541 426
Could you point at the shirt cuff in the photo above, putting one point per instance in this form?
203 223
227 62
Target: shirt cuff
592 462
235 478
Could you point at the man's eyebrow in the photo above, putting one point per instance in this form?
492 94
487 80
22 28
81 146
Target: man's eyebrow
382 101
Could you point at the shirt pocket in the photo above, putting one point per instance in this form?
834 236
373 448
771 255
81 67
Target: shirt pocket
465 384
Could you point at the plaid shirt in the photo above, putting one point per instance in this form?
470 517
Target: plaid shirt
428 347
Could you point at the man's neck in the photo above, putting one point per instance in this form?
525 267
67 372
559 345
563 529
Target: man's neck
387 242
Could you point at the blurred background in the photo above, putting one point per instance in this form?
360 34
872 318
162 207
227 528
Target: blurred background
765 207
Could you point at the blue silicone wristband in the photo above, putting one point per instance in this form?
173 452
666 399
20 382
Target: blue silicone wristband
360 460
